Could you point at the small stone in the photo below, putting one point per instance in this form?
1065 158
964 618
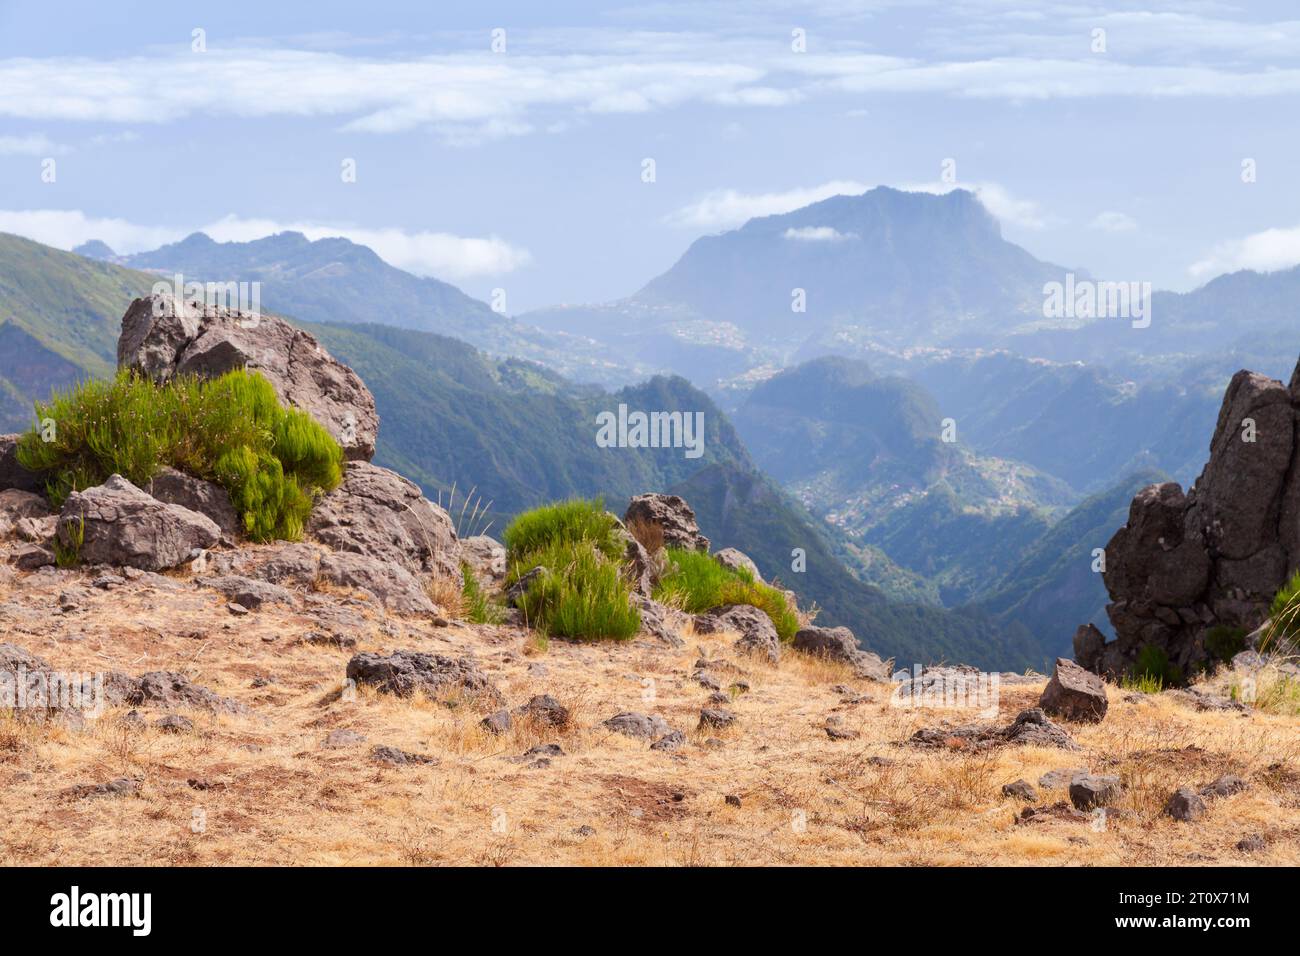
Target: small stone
1088 791
1021 790
174 724
585 831
544 709
338 739
1224 786
236 609
1252 843
1185 804
732 800
716 717
670 741
497 723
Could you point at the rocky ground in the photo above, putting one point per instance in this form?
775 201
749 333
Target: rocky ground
284 763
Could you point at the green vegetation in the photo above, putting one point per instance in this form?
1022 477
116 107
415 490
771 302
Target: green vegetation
1284 612
1223 643
1153 668
696 582
69 556
583 593
479 608
231 430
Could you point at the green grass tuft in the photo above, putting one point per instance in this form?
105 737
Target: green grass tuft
695 582
564 522
231 430
584 594
479 608
1153 668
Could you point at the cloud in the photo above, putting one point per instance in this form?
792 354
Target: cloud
818 234
729 208
35 144
438 254
1111 221
1266 251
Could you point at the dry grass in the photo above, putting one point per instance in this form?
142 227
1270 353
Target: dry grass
259 789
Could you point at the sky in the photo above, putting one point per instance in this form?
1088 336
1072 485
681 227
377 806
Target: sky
504 145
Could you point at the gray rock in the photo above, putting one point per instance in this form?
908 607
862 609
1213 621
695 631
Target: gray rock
1224 786
163 338
404 672
118 787
391 584
673 515
839 644
1020 790
1088 791
12 474
248 592
37 530
738 561
496 723
170 689
715 718
673 740
1074 693
378 513
31 557
543 710
339 739
1252 843
123 526
288 563
1185 804
16 504
757 633
174 724
174 487
486 556
660 621
1030 728
520 587
639 726
1055 779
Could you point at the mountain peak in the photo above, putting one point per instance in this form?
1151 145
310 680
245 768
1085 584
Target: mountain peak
95 249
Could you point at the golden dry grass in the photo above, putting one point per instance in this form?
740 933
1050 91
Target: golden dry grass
272 795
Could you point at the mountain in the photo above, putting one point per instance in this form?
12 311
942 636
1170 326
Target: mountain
60 315
740 508
1052 587
338 281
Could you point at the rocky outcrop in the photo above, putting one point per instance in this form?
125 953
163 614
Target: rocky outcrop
391 584
839 644
120 525
162 337
757 633
1214 556
380 514
486 556
12 474
672 515
174 487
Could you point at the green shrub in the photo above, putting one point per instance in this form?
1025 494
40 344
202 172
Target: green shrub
695 582
583 595
1153 666
1223 643
1284 612
231 430
566 522
478 607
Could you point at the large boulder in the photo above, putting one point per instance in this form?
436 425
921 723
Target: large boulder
12 474
163 337
378 513
672 515
391 584
174 487
839 644
1185 564
1074 693
119 524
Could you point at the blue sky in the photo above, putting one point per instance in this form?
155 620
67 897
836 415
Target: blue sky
522 169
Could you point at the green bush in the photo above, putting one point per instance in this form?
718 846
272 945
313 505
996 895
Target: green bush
1223 643
478 607
584 594
1284 612
231 430
1154 668
695 582
567 522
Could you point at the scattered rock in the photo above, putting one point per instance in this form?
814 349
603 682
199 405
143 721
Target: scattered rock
1224 786
735 560
1031 727
236 609
250 593
839 644
716 718
121 525
732 800
497 723
545 711
1074 693
639 726
397 758
1185 804
1088 791
338 739
673 516
673 740
404 672
164 338
1252 843
757 633
1056 811
118 787
660 621
31 557
174 724
1020 790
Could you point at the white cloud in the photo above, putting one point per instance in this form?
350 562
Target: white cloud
728 208
35 144
438 254
818 234
1111 221
1266 251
